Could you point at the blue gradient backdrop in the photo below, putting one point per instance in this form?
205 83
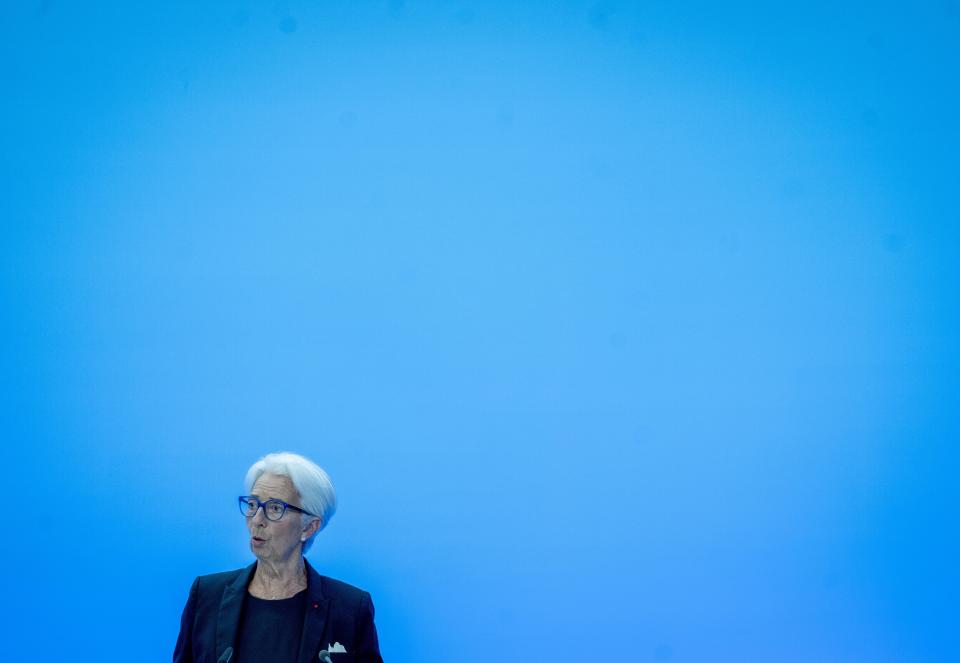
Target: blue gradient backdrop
627 331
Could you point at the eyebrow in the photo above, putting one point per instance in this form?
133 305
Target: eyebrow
268 499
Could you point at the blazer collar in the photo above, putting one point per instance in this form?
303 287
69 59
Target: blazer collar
231 604
315 618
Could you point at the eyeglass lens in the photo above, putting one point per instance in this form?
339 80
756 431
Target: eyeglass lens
272 509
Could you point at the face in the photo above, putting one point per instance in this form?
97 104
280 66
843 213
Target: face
277 540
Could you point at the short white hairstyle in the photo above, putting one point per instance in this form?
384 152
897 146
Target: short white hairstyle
312 484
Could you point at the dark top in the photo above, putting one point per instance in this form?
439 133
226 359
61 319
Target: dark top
270 630
335 614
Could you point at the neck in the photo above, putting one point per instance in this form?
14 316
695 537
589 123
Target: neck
280 578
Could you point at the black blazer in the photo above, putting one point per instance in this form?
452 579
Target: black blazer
336 612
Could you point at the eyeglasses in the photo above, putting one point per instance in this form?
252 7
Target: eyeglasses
272 509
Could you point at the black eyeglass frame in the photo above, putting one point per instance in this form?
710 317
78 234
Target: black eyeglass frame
243 500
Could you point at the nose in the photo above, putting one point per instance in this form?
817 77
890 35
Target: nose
260 517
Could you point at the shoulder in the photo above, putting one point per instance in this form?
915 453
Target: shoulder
215 583
208 591
341 592
337 591
221 578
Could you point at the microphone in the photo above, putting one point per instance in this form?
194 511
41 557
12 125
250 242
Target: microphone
226 655
324 656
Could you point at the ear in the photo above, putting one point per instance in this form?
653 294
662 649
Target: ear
310 529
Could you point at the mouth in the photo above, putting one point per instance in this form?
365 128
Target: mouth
257 539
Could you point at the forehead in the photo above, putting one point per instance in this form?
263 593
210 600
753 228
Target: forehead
269 486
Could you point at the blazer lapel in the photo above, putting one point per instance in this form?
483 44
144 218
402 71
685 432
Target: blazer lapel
315 618
228 621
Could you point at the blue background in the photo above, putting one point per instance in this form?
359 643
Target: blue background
627 331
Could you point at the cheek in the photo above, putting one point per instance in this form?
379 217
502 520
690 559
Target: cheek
292 530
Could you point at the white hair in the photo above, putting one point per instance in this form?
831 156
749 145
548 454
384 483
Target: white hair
309 480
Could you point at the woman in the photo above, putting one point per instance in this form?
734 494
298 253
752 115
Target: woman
278 609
